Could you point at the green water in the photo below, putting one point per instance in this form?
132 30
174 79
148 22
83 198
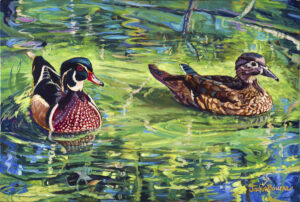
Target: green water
149 146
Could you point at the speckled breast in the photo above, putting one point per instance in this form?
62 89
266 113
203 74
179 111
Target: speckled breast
77 116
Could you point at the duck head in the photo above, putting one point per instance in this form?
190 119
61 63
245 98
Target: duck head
75 71
249 65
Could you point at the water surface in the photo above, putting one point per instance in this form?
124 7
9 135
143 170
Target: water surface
150 147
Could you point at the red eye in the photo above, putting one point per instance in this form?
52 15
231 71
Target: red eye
80 68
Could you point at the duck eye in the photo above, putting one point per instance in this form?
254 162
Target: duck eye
79 68
253 64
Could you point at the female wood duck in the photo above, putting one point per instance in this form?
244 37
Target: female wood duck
58 103
222 94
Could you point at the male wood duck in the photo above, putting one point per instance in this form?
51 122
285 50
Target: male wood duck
241 95
58 102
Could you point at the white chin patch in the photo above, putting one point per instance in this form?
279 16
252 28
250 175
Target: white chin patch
251 79
78 86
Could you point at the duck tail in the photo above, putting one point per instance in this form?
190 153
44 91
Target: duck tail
37 69
187 69
164 77
41 69
175 83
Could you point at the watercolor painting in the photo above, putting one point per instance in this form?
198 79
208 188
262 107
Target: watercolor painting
150 100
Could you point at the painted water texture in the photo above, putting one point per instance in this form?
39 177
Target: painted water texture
150 148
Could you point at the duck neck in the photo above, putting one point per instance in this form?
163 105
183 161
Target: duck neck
254 84
239 84
70 95
70 83
257 86
69 90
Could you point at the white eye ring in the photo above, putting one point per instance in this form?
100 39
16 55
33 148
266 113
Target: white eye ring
252 64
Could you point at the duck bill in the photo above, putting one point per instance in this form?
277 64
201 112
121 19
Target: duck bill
268 73
92 77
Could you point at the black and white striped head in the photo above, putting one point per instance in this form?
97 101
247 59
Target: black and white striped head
75 71
249 65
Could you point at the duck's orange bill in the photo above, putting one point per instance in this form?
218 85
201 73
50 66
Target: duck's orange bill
92 77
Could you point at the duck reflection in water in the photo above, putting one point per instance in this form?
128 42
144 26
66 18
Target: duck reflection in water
82 143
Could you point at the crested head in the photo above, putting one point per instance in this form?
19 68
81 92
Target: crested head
249 65
246 57
73 62
75 71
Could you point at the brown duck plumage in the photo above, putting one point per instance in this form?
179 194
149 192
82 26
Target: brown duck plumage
225 95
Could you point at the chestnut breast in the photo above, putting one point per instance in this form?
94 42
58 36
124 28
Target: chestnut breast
77 115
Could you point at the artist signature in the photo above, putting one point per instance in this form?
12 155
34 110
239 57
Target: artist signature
268 188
